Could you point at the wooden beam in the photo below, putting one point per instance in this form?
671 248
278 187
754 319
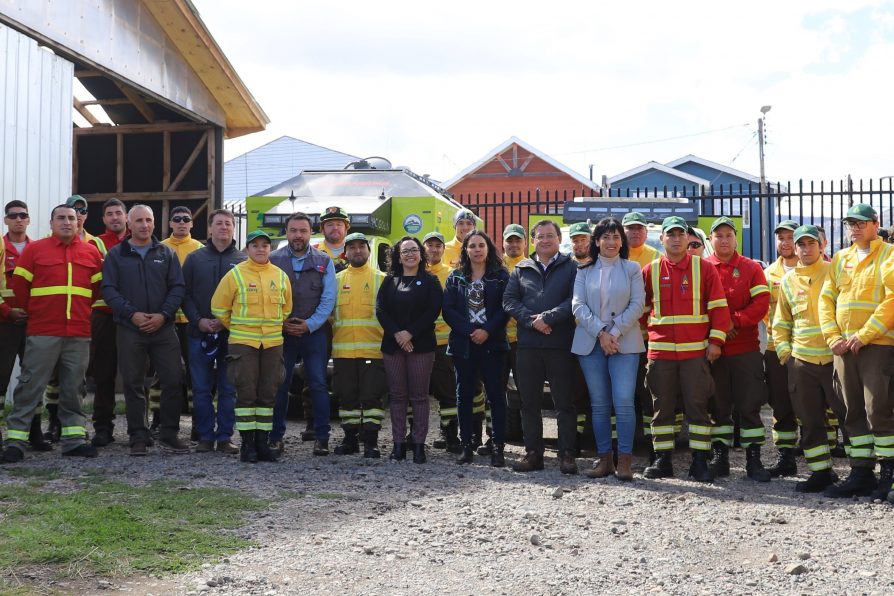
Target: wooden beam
145 128
201 209
203 141
165 217
166 159
87 73
138 102
212 162
115 101
74 166
87 114
119 163
180 195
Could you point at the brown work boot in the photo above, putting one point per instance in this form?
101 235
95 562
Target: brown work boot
567 464
227 447
205 446
602 468
624 471
529 463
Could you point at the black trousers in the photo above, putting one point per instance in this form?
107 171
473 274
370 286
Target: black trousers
535 366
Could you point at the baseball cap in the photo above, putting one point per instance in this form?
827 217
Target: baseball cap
210 344
634 218
463 214
672 222
255 235
723 221
862 212
333 213
514 230
433 236
786 224
579 228
356 236
74 200
809 231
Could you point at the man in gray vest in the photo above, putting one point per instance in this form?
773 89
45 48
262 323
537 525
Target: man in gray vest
313 290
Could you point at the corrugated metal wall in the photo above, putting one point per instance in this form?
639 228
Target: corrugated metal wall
35 127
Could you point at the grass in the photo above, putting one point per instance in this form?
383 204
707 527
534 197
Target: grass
114 529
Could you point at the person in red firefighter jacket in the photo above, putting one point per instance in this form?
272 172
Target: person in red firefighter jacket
56 280
739 372
687 320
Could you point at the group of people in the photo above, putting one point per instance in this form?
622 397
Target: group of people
672 334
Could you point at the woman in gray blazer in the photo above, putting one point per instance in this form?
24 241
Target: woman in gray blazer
609 295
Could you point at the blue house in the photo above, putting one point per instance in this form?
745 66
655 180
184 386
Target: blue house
698 178
278 160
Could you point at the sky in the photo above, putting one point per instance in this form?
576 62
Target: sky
435 86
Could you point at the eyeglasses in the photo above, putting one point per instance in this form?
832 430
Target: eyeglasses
695 245
181 219
80 210
409 251
854 224
18 215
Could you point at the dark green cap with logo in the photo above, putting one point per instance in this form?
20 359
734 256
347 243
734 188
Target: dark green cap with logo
634 218
786 224
74 200
333 213
252 236
723 221
355 237
808 231
862 212
514 230
672 222
433 236
579 228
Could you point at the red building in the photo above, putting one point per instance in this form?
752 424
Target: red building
514 180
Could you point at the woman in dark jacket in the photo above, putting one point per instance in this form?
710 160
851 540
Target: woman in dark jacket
407 305
473 307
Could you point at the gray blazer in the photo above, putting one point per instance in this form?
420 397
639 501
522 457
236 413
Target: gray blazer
627 296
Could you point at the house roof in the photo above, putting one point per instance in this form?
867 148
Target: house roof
181 22
654 165
713 165
499 149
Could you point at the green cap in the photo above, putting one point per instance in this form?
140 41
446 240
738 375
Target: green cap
723 221
863 212
74 200
514 230
579 228
786 224
463 214
674 221
332 213
634 218
356 236
257 234
809 231
433 236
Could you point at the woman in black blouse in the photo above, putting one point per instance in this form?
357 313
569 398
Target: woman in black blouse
407 305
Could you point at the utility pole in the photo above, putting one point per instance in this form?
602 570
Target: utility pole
764 193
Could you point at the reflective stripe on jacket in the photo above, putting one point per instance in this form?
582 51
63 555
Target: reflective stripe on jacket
796 327
252 301
356 332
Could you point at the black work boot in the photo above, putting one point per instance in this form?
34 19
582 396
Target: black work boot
497 459
720 462
419 453
350 444
699 470
466 455
321 447
817 482
487 448
35 436
248 451
371 444
398 452
886 474
662 467
309 434
754 469
859 483
54 428
262 446
785 465
452 437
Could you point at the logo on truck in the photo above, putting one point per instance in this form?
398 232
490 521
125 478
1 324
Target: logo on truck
412 224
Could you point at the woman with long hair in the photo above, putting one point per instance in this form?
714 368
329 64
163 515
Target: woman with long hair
407 305
473 307
609 294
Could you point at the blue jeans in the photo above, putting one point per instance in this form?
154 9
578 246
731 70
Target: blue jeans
313 350
204 378
611 381
490 366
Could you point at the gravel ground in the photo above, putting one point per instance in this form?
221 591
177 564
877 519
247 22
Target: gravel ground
347 525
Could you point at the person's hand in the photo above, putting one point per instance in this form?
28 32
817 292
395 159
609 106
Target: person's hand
854 344
296 327
138 319
712 353
407 347
732 332
608 343
540 325
208 325
402 338
840 347
18 315
479 336
152 323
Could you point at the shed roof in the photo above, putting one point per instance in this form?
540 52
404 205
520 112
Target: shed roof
655 166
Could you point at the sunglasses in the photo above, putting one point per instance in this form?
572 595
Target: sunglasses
80 210
181 219
695 244
18 215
